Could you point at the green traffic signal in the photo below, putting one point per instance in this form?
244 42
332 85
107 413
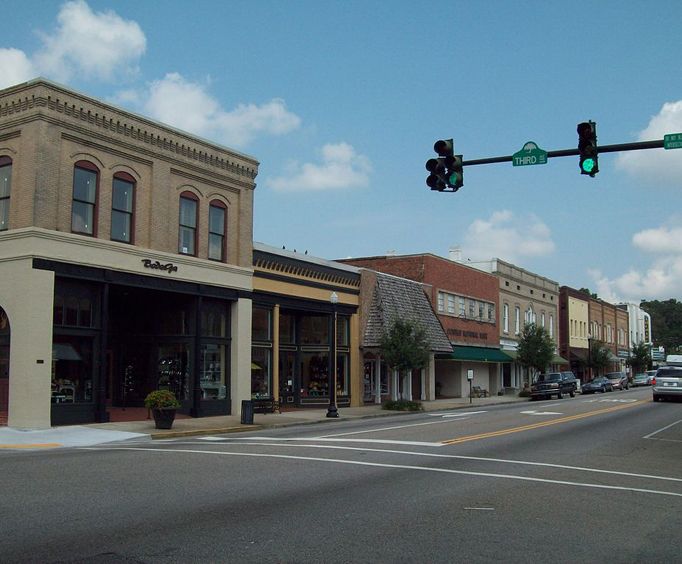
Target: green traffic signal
588 165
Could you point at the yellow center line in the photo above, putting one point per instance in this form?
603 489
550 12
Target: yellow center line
35 445
538 425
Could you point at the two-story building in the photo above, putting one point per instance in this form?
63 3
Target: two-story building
125 262
525 297
466 301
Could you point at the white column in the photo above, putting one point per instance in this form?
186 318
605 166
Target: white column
240 368
377 380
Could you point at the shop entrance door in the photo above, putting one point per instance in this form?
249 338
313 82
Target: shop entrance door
287 377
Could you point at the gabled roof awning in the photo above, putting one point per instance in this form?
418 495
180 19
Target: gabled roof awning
478 354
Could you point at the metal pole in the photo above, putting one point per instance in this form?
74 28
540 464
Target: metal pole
637 146
332 410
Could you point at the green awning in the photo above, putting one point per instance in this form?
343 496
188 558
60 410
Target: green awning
556 359
480 354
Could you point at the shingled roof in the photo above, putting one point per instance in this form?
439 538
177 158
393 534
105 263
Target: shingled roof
398 298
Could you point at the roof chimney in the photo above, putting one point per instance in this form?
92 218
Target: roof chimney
455 254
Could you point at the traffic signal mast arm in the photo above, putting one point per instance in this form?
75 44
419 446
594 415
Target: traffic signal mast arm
658 144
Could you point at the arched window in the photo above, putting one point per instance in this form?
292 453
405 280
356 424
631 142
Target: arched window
5 189
217 229
84 204
189 205
123 208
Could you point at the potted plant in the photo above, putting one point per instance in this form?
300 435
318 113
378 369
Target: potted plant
163 404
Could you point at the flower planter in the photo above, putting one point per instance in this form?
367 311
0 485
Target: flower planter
164 417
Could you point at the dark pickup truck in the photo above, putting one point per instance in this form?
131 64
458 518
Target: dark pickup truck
553 384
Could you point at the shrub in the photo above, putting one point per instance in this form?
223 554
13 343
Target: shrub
402 405
159 399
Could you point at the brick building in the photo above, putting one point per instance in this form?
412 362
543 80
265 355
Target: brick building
466 302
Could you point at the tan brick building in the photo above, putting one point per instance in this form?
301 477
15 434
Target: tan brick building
125 261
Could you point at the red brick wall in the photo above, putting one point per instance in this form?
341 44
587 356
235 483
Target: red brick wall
443 274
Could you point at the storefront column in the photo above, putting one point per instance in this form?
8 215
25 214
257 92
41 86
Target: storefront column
240 353
275 352
377 379
101 414
394 385
27 296
195 410
430 384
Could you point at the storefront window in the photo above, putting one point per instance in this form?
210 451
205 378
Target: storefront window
315 330
342 331
260 324
72 369
261 381
214 319
342 384
213 367
287 329
314 374
174 369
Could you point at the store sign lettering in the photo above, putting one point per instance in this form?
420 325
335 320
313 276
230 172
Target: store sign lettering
460 333
156 265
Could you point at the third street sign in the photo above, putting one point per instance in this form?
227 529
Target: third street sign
530 154
672 141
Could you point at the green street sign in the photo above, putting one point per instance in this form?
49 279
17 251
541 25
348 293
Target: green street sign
530 154
672 141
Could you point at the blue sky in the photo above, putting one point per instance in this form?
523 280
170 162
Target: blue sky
341 103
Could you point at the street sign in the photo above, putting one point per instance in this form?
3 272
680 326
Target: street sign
530 154
672 141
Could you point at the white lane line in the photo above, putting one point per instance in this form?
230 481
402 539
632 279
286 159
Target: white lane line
402 467
461 414
239 440
533 412
440 422
662 429
450 456
479 509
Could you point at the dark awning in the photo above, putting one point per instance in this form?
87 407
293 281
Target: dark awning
64 351
479 354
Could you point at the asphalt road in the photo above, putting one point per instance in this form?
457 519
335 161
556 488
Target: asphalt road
585 479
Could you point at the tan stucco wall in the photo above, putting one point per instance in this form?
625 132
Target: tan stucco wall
26 295
578 314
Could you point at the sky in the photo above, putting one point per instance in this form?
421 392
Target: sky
342 101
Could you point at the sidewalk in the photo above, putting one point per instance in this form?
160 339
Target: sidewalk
98 433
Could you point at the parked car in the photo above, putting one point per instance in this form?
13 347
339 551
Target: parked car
667 383
598 384
619 380
553 384
641 379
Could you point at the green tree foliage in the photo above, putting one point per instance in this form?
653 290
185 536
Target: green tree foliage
640 358
404 346
589 293
599 356
666 323
536 348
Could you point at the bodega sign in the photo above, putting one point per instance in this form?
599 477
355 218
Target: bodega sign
156 265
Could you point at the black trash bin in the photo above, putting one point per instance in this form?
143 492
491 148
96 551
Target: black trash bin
247 412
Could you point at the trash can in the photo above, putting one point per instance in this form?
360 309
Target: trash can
247 412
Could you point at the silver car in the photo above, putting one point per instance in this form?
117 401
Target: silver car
667 383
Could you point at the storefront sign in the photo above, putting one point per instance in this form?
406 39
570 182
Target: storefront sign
156 265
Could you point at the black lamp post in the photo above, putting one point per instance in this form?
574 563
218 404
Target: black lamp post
332 411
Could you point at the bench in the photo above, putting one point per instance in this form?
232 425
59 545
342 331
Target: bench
478 392
266 405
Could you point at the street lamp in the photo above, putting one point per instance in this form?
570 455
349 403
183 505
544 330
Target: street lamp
332 411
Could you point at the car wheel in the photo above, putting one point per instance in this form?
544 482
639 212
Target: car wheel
572 393
559 396
656 398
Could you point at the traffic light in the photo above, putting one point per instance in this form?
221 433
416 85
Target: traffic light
587 148
446 171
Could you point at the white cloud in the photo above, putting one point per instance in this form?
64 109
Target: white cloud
15 67
661 280
341 168
658 164
93 45
96 44
188 106
507 236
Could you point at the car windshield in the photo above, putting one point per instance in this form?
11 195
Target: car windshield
669 372
613 375
599 380
549 377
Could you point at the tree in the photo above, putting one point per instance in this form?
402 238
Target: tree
404 346
536 348
599 356
589 293
640 359
666 323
